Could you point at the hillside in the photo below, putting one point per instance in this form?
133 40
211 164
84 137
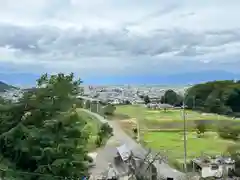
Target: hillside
4 87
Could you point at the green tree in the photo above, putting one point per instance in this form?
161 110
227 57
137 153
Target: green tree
221 97
171 97
2 101
232 98
200 127
43 133
215 105
87 104
105 129
104 132
146 99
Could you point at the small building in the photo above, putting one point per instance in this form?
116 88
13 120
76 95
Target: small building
165 106
135 164
213 167
124 152
159 106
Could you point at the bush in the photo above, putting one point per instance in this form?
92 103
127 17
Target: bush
79 103
87 104
106 129
146 99
99 141
108 109
200 127
135 131
229 132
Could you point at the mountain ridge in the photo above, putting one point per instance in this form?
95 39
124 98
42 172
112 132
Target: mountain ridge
170 79
4 87
185 78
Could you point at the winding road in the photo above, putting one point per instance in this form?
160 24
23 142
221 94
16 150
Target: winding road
123 138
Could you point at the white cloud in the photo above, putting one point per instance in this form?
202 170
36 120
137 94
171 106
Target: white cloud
119 37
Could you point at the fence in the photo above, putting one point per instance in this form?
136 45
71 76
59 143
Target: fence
7 174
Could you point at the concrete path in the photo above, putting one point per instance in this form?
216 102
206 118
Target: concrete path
123 138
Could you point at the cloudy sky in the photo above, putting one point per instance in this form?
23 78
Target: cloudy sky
119 37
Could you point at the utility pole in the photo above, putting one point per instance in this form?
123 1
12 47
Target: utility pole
97 106
90 105
185 138
138 130
138 125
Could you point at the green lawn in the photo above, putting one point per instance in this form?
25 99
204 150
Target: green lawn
173 143
154 123
93 125
169 119
135 111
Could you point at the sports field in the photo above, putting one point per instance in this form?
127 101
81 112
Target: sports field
172 143
163 130
169 119
135 111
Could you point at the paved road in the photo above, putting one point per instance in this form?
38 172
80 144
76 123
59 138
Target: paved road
123 138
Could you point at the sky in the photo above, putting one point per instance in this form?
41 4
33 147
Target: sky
103 38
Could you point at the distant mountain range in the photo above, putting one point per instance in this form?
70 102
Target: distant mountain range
4 87
28 80
168 80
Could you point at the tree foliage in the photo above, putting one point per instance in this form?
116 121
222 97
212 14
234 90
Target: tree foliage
200 127
43 133
221 97
146 99
105 131
87 104
171 97
108 109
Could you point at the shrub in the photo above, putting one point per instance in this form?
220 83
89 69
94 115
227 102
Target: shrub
200 127
99 141
106 130
135 131
229 132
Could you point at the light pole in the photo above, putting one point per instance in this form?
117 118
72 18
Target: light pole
138 130
184 134
139 115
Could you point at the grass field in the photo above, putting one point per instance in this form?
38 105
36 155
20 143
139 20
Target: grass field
163 130
93 125
169 115
210 144
170 119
